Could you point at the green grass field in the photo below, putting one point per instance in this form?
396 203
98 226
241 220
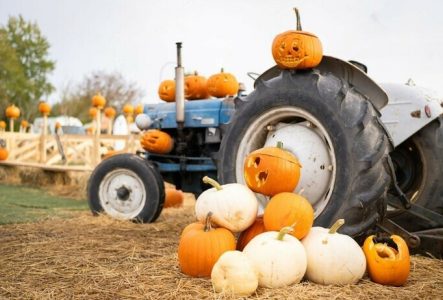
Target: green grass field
23 205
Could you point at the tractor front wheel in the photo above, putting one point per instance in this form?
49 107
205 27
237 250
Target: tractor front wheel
126 186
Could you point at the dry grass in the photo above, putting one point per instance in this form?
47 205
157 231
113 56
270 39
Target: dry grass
101 258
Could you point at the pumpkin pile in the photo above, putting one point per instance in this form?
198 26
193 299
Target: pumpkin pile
197 87
281 247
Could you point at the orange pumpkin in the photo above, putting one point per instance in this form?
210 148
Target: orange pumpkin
195 87
44 108
255 229
24 124
157 141
3 154
173 198
93 112
264 169
110 112
12 112
286 209
2 124
222 84
166 90
297 49
200 247
387 259
138 109
128 109
98 101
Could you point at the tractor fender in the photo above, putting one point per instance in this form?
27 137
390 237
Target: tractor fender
409 109
346 71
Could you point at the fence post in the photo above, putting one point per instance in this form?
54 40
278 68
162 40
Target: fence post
96 140
43 140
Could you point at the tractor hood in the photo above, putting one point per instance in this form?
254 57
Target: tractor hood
198 113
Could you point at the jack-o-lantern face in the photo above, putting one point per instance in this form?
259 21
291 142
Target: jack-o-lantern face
166 90
157 141
297 49
195 87
222 85
271 170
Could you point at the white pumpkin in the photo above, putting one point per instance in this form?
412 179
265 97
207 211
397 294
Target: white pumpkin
233 273
333 258
234 206
279 258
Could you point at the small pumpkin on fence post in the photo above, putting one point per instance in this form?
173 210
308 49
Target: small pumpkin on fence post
24 125
2 126
12 112
44 108
110 114
128 111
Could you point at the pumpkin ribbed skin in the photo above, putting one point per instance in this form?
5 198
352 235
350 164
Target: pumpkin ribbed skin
264 169
173 198
255 229
44 108
12 112
222 84
201 246
297 50
166 90
286 209
157 141
385 264
195 87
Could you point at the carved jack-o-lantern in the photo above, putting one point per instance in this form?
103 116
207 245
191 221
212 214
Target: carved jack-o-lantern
297 49
166 90
157 141
222 84
195 87
271 170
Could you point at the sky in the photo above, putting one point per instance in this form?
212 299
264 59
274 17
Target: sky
397 40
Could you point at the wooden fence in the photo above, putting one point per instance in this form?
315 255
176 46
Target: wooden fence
65 151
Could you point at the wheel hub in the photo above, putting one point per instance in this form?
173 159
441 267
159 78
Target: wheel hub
123 193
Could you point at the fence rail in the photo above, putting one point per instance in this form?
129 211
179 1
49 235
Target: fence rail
65 151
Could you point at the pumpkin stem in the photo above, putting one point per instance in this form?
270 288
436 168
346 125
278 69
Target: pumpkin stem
222 70
298 19
208 226
285 230
212 182
280 144
336 226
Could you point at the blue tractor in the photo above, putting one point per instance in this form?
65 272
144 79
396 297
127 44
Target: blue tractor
371 154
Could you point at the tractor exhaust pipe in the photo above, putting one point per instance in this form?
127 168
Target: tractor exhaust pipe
179 88
180 103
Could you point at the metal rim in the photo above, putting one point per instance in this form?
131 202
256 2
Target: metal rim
122 194
255 137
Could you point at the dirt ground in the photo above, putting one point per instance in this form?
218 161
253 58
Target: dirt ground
90 257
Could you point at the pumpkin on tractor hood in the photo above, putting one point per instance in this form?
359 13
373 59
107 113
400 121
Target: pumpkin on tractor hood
157 141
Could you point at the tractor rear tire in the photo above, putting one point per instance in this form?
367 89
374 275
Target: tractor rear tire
126 186
359 142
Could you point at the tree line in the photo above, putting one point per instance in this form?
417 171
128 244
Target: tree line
25 66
